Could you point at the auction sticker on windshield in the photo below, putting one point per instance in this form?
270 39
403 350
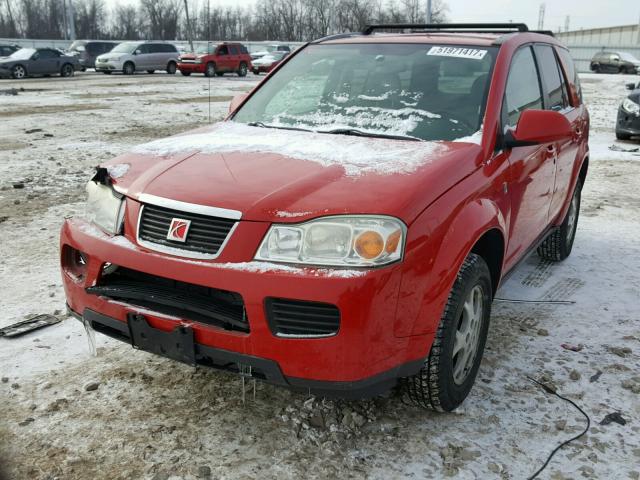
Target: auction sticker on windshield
458 52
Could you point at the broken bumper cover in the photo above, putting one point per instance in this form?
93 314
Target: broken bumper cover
245 365
363 358
628 123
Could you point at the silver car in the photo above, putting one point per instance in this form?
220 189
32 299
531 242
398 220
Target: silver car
130 57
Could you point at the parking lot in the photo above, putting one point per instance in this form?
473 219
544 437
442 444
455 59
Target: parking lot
127 414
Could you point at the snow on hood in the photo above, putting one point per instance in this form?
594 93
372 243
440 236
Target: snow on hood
357 155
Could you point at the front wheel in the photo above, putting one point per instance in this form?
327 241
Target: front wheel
171 68
128 68
18 72
66 70
557 246
210 69
448 373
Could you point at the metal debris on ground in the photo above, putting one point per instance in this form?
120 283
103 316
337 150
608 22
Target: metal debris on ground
613 417
26 326
618 148
573 348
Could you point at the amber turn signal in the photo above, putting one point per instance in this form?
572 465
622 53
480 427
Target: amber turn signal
369 244
392 241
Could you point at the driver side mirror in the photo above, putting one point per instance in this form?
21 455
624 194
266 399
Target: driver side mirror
236 101
536 127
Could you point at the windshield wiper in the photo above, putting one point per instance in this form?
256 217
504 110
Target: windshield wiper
360 133
264 125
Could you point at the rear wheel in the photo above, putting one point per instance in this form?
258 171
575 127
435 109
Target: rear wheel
210 69
66 70
449 371
242 71
171 68
557 246
128 68
18 72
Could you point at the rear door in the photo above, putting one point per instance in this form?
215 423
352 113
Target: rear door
531 169
556 97
234 57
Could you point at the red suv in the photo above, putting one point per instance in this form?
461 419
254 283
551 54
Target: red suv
348 225
213 59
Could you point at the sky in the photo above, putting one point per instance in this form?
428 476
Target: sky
582 13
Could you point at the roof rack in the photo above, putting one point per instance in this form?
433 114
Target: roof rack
466 27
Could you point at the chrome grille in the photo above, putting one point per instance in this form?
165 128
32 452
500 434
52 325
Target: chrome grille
206 235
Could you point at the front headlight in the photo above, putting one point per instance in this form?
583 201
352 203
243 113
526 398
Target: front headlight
353 241
631 106
105 207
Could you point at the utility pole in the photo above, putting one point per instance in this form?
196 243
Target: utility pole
541 17
428 11
189 33
71 20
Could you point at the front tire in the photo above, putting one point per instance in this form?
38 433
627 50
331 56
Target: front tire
128 68
622 136
449 371
210 69
558 245
18 72
171 68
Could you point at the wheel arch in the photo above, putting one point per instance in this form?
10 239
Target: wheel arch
431 269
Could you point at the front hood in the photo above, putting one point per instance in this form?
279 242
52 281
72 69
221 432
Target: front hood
286 176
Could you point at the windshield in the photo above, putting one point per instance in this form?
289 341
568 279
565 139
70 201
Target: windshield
77 46
23 53
126 47
628 57
429 92
206 49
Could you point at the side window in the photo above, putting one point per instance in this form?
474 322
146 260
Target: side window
233 50
223 50
48 54
523 87
570 68
156 48
243 50
551 78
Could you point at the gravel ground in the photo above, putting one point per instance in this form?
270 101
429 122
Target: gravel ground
126 414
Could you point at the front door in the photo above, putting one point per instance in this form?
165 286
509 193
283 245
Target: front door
532 169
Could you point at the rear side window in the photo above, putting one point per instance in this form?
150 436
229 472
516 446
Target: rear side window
570 69
243 49
156 48
551 78
523 87
49 54
168 48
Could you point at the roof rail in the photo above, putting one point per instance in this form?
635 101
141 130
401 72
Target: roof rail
467 27
544 32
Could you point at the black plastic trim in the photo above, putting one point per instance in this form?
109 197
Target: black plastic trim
265 369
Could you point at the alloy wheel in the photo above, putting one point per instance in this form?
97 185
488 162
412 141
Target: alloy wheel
467 336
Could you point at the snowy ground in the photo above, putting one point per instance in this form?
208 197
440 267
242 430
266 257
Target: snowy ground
153 418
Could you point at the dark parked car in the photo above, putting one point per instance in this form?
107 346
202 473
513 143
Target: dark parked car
88 50
6 50
38 61
628 124
615 62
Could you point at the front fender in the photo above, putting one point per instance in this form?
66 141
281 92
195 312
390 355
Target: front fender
437 244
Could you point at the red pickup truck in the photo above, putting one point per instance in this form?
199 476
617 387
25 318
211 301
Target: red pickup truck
216 59
348 225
